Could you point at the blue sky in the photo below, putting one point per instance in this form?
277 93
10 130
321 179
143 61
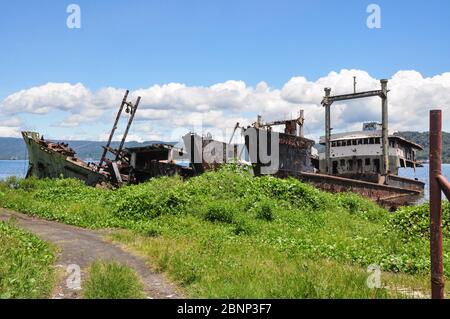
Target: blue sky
137 44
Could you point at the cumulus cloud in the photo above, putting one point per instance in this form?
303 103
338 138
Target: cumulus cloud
10 127
170 107
7 131
11 122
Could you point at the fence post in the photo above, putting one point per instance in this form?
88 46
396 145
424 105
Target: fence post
437 269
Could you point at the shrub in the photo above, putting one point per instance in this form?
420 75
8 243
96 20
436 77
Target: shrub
112 281
264 211
219 211
26 264
357 205
242 227
414 221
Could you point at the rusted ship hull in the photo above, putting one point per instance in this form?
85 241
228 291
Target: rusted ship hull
47 162
399 192
296 160
294 153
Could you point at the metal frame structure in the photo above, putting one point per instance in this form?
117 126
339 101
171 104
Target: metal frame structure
328 100
438 184
290 125
130 108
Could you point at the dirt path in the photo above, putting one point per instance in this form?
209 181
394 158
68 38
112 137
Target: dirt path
82 247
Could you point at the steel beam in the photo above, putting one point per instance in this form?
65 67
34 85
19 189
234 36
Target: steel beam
108 144
328 130
133 113
352 96
385 125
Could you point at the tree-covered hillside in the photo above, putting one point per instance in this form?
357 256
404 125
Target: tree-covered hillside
423 139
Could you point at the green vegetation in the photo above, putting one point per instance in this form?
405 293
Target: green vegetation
26 264
424 140
227 234
112 281
414 222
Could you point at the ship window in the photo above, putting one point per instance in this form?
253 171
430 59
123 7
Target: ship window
360 165
339 143
342 163
344 143
367 161
333 144
366 141
377 140
354 142
376 164
360 142
350 165
371 140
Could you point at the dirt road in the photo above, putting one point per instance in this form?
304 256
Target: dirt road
78 246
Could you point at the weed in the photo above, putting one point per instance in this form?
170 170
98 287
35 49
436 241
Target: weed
112 281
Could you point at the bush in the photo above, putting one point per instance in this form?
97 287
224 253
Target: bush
242 227
414 221
357 205
150 200
112 281
264 211
26 264
219 211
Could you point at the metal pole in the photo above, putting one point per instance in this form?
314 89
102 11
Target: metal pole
102 159
302 120
385 130
437 268
133 112
327 131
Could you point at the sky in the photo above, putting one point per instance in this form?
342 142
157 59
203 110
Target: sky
203 65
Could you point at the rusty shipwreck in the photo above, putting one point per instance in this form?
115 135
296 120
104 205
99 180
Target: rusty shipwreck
365 162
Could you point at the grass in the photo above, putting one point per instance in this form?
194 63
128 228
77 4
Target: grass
26 264
226 234
108 280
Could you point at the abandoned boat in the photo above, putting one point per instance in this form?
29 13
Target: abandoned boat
295 152
49 159
365 162
156 160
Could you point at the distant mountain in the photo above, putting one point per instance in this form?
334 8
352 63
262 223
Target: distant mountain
14 148
423 139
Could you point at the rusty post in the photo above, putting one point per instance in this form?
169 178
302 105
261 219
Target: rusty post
437 269
445 186
327 131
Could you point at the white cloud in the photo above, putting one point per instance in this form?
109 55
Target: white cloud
168 107
7 131
45 98
11 122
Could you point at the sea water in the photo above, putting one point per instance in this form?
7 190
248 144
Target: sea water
13 168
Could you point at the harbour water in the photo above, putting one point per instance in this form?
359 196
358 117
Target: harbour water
13 168
19 169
